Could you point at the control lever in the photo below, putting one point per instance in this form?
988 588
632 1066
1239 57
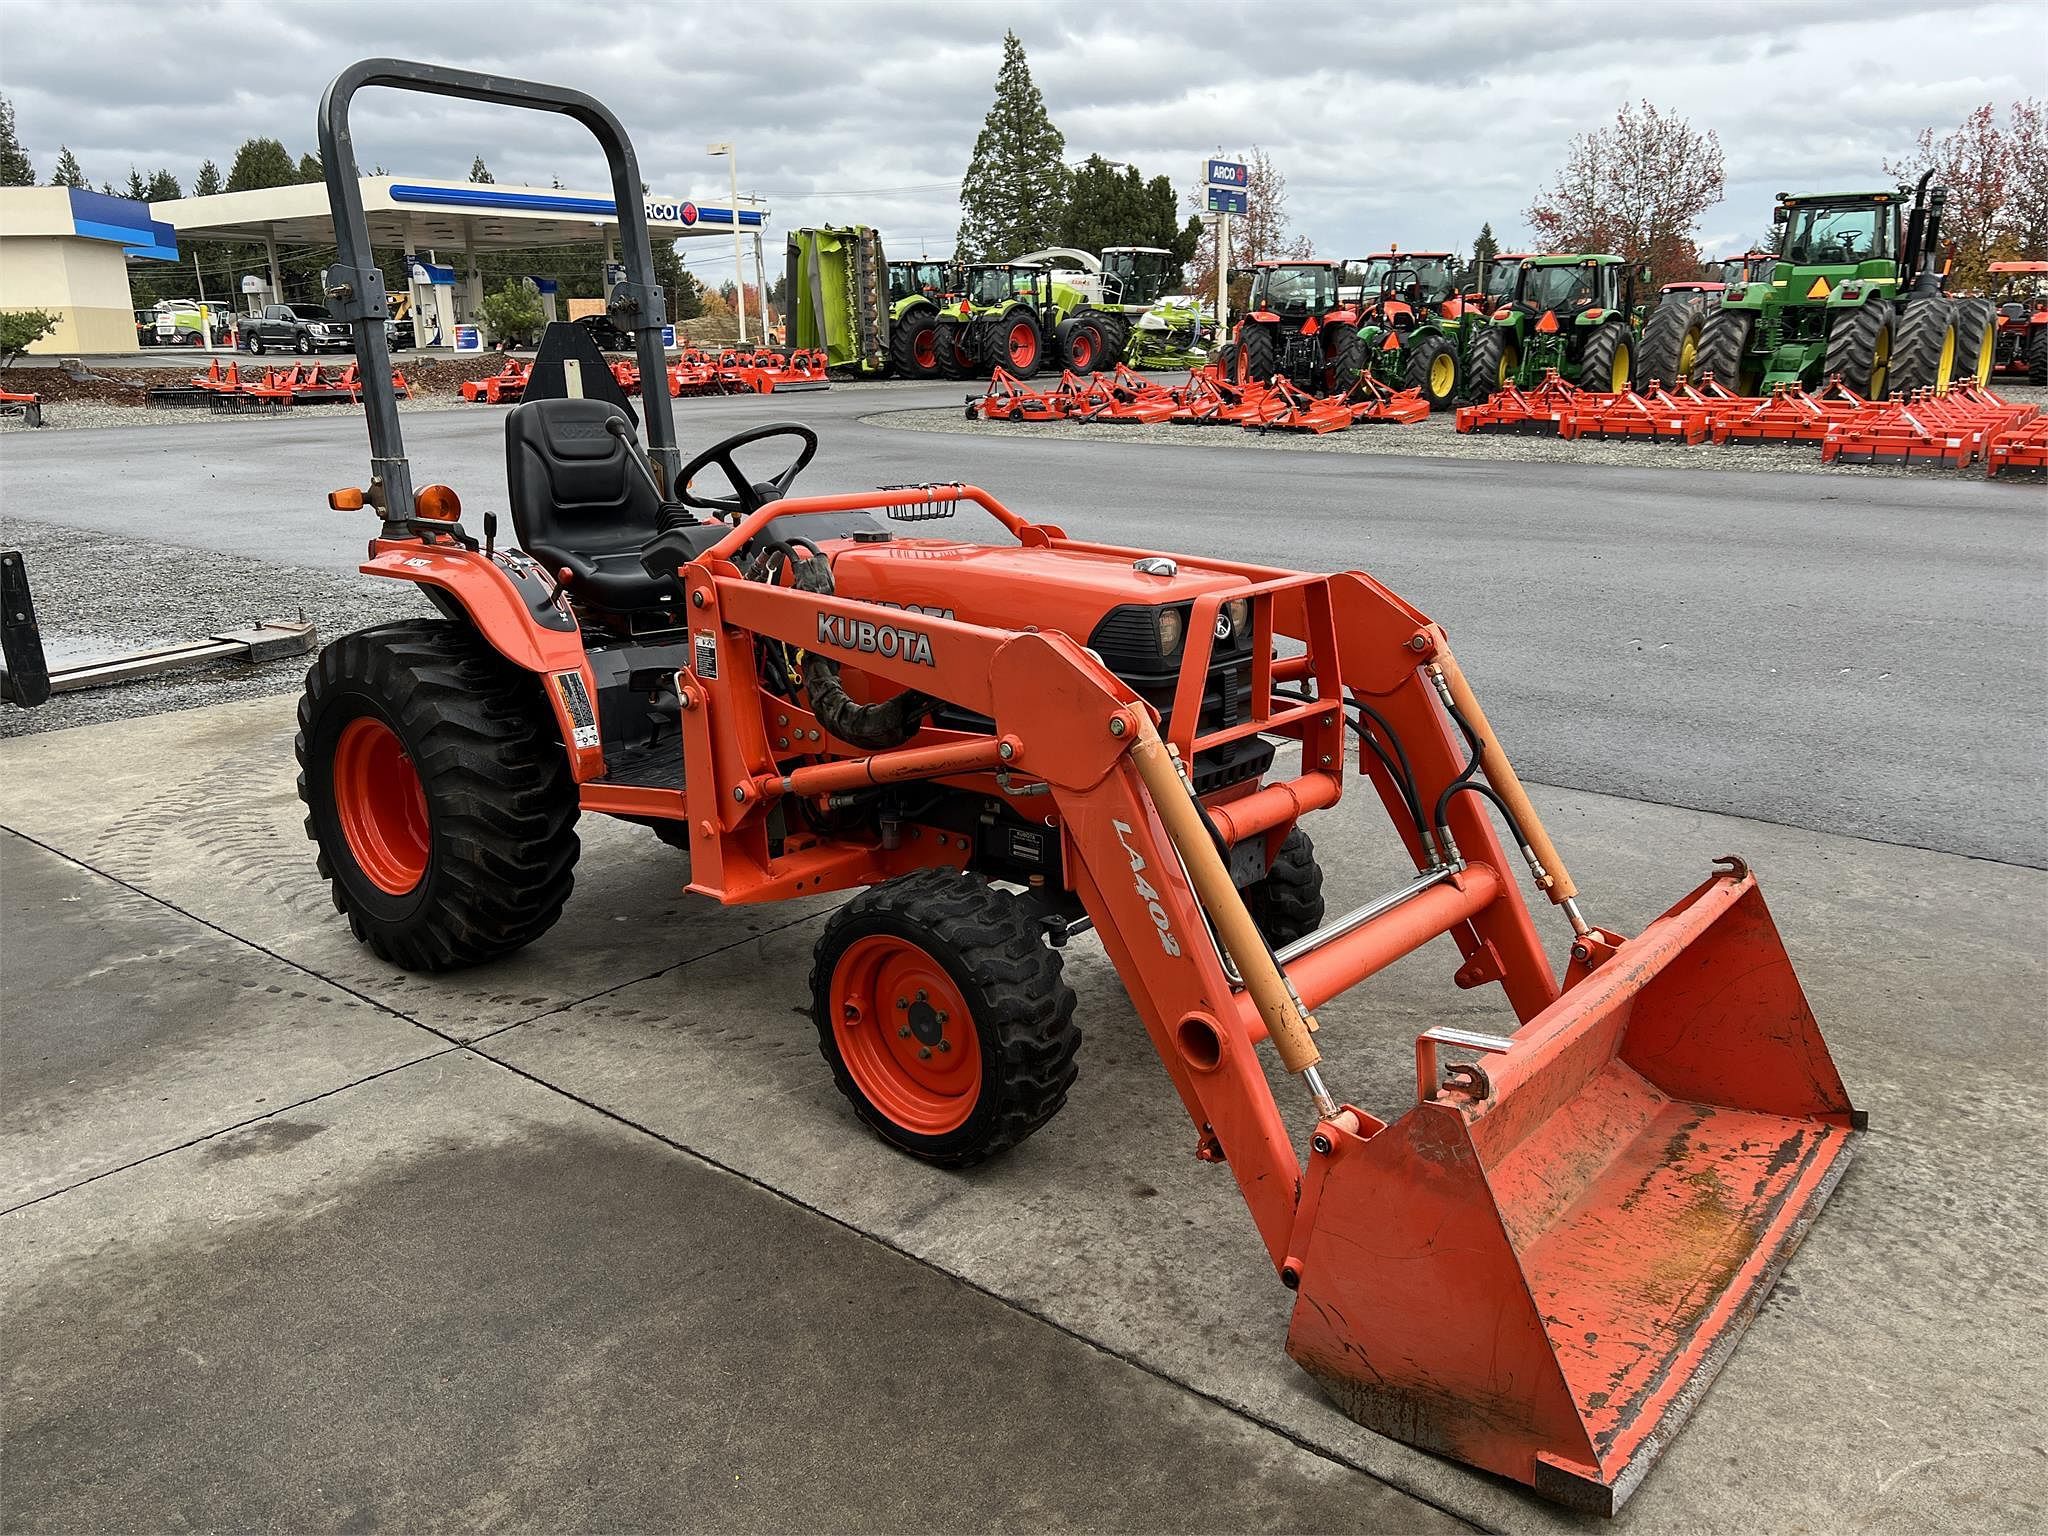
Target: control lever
623 431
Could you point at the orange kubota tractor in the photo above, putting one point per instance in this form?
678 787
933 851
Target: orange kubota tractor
1535 1268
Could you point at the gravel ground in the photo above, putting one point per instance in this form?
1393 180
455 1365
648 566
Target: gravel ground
1438 438
97 594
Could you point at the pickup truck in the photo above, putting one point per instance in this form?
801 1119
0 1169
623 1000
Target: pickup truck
300 327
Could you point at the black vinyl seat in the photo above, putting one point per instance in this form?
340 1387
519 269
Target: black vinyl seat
580 504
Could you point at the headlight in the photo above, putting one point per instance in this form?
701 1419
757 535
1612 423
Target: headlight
1171 623
1240 611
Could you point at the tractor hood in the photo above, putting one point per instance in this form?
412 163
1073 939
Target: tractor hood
1011 588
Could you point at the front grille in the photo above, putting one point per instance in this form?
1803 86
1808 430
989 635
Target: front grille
1127 640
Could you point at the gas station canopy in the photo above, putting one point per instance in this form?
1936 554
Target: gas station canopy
412 214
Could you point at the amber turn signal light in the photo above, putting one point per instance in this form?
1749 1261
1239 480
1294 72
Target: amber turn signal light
437 504
347 499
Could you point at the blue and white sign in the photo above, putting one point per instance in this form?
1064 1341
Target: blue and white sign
1222 200
1228 173
468 339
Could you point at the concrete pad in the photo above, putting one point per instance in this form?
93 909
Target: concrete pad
199 808
128 1029
452 1298
1892 1380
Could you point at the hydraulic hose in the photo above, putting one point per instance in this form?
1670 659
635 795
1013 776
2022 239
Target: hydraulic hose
875 727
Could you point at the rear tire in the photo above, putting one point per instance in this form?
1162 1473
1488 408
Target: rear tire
1432 367
913 348
255 345
1488 370
1288 903
944 1016
1670 343
2037 358
955 360
425 755
1226 362
1976 339
1344 357
1605 360
1859 349
1724 354
1924 346
1261 354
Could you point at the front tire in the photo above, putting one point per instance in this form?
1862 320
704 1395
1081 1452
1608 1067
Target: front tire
1080 346
944 1016
1724 354
1288 903
913 345
1344 357
303 344
2037 358
255 345
437 792
1261 354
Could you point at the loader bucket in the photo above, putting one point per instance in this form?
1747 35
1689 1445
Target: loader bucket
1541 1273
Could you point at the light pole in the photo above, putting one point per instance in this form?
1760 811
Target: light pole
739 269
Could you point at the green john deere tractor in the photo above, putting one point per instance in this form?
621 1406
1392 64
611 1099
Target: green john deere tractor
1856 294
918 291
1573 314
1410 317
1019 317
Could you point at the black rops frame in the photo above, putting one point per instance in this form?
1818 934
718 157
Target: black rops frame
355 286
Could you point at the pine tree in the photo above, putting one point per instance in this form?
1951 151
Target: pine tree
1485 248
163 188
480 172
261 163
207 183
1015 190
137 188
16 170
67 173
309 168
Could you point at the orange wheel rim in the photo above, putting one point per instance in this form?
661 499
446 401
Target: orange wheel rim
905 1034
925 348
1084 351
1023 344
381 806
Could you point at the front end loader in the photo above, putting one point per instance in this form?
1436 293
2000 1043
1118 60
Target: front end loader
1001 743
1568 314
1856 294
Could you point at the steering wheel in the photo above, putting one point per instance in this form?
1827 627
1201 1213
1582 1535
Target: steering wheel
748 496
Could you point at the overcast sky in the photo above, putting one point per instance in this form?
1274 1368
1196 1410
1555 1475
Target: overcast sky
1411 123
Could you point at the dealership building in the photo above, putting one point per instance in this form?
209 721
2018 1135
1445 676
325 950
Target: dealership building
66 250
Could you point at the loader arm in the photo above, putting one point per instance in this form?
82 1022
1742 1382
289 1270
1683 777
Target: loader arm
1536 1268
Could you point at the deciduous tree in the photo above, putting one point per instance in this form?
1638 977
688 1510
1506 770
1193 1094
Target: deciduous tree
1997 205
1015 190
1636 188
2026 214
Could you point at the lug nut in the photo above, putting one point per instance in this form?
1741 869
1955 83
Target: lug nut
902 1002
903 1033
942 1018
924 1053
945 1045
1118 725
920 995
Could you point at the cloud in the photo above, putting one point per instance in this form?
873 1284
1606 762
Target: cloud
1413 125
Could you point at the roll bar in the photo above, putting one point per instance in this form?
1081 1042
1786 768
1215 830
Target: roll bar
355 285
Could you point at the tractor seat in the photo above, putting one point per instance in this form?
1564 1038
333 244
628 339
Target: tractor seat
580 504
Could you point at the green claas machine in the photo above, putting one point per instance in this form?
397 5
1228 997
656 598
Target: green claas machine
1855 294
867 314
1573 314
918 290
1020 317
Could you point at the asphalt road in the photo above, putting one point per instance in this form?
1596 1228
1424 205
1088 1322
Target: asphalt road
1867 656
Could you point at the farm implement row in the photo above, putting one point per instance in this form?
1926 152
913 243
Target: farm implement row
1963 427
272 389
1209 398
729 372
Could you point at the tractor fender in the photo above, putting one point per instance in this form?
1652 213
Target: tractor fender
1264 316
510 601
